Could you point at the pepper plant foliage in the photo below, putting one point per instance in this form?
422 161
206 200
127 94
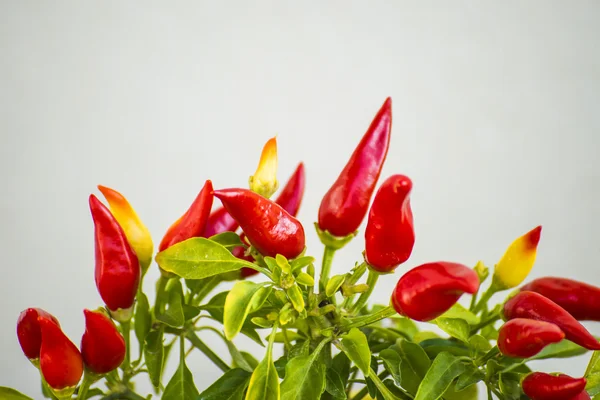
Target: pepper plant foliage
335 345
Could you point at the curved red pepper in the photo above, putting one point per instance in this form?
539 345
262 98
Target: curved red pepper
102 346
524 338
581 396
193 222
580 299
345 204
533 305
60 361
542 386
117 267
29 332
291 195
270 228
427 291
219 221
390 234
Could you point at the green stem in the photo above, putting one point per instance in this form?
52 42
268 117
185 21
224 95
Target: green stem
387 395
88 380
159 304
485 298
200 345
362 300
356 275
370 319
365 390
489 355
126 330
326 267
490 320
209 285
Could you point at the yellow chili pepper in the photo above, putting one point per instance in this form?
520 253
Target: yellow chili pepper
517 261
264 181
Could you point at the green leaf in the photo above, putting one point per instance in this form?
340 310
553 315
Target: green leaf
305 279
469 393
295 295
253 362
238 304
264 382
341 363
424 335
562 349
592 374
7 393
334 384
405 326
334 284
454 327
153 354
237 357
301 262
433 347
199 258
459 312
304 377
173 315
414 364
181 386
356 347
391 360
230 386
471 376
228 240
142 320
444 369
479 344
509 384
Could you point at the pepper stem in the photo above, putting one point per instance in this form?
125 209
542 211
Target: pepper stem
487 295
88 380
200 345
370 319
161 286
126 330
362 300
326 267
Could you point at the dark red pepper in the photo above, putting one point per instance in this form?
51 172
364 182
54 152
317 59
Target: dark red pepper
270 228
427 291
117 267
291 195
581 396
60 361
219 221
345 205
390 235
29 332
533 305
102 346
193 222
524 338
542 386
580 299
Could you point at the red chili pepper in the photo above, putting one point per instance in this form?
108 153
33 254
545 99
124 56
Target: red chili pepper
117 267
524 338
219 221
533 305
542 386
29 332
60 361
427 291
390 234
291 195
345 204
102 346
580 299
270 228
581 396
193 222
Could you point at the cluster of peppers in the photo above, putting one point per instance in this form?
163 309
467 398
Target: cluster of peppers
542 312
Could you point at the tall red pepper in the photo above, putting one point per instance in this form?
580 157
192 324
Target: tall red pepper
219 221
270 228
524 338
534 306
427 291
117 266
291 195
60 361
345 205
193 222
102 346
390 235
542 386
580 299
29 332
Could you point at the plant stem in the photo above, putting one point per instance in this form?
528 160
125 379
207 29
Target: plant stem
326 267
362 300
490 320
208 286
387 395
85 386
126 330
365 390
161 285
370 319
200 345
485 298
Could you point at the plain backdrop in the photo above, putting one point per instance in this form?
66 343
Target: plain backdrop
496 117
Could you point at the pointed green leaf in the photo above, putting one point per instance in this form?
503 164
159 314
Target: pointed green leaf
391 360
562 349
334 384
264 382
470 377
230 386
457 311
7 393
334 284
142 320
356 347
216 309
433 347
228 240
173 315
238 304
457 328
153 354
509 384
199 258
304 377
181 386
341 363
592 374
295 295
305 279
479 344
444 369
414 364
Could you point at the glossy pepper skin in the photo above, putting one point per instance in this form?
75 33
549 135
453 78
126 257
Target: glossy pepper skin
60 361
270 228
117 266
219 221
531 305
390 235
517 261
102 346
137 234
29 332
264 181
193 222
291 195
542 386
427 291
345 205
581 396
524 338
580 299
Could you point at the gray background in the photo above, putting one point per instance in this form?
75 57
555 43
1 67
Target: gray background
496 119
